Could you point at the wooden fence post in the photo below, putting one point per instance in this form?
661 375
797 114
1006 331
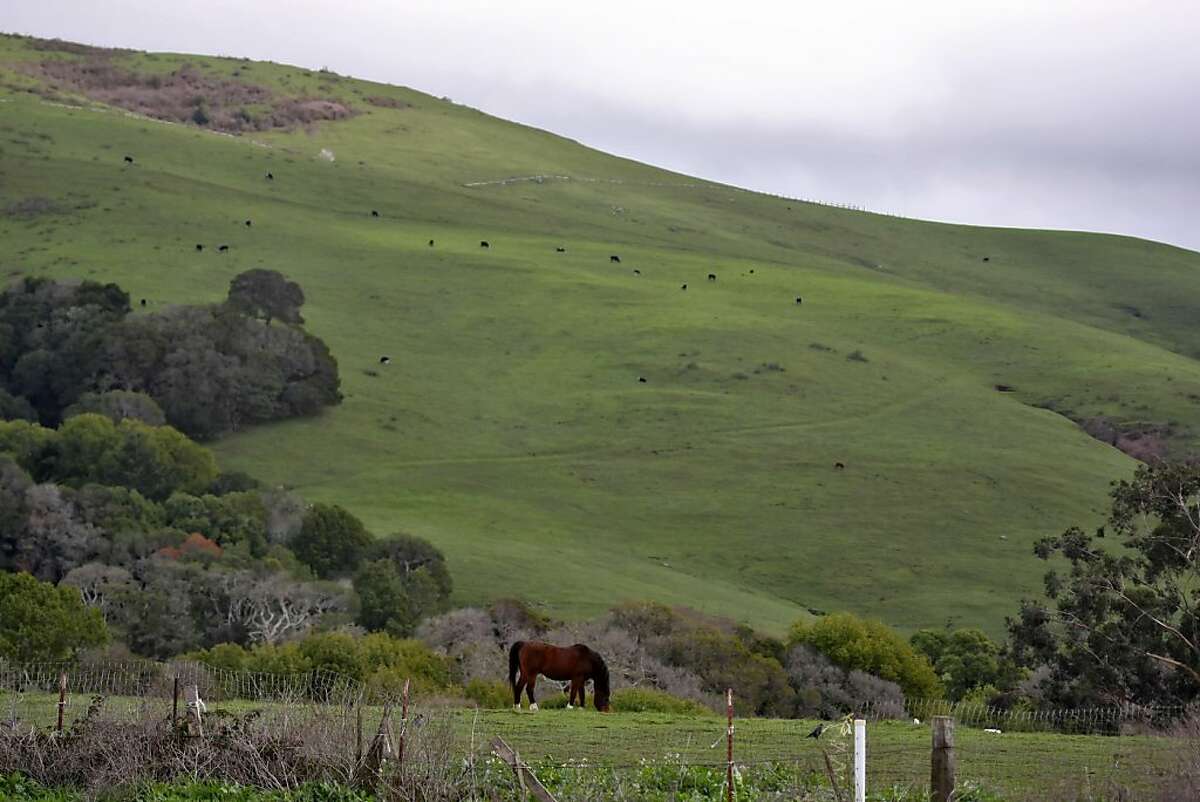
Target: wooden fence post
525 777
942 763
403 724
62 698
860 760
729 743
175 701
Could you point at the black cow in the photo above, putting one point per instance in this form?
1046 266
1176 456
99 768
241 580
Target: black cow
637 272
616 259
752 271
199 247
270 176
684 287
143 302
712 276
642 379
248 222
484 244
799 300
374 213
223 248
987 258
430 243
129 160
839 466
385 360
560 250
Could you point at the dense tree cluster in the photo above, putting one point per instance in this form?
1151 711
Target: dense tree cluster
137 522
1122 625
75 348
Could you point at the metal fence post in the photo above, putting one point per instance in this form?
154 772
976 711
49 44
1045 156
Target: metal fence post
860 760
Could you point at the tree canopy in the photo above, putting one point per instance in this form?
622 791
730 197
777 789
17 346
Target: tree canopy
43 623
1123 624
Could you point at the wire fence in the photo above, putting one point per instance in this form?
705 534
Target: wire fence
327 716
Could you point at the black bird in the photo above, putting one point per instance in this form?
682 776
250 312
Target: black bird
815 734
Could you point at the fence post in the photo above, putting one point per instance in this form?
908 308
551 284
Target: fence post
175 701
403 724
860 760
942 763
62 698
729 743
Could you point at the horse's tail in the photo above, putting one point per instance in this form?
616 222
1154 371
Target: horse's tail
514 662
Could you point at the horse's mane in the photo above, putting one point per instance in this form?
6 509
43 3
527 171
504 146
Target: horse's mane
600 677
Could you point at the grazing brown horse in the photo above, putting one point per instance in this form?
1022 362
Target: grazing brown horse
576 663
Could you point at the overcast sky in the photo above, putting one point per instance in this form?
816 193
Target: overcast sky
1067 114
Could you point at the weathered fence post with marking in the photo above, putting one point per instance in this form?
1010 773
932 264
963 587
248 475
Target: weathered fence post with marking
62 698
942 764
525 776
860 760
175 701
197 707
403 724
729 743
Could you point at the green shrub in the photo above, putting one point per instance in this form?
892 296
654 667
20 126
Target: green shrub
859 644
494 695
650 700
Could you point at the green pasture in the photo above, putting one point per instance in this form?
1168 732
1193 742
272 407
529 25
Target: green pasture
511 428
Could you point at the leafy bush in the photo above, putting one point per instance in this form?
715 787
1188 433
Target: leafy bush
494 695
650 700
864 645
331 541
42 623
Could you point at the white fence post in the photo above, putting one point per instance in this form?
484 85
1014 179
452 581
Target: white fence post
860 760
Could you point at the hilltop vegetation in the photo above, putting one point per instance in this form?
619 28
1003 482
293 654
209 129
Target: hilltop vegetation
948 368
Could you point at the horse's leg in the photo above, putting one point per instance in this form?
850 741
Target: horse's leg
529 690
582 693
518 686
574 692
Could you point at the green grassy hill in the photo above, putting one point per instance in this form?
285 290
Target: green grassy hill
511 427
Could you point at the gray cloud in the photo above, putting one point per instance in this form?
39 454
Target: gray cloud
1070 114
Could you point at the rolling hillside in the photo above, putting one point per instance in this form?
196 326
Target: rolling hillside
511 427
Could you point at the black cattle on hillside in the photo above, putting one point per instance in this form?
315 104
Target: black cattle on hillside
684 287
223 248
374 213
561 250
839 466
199 247
385 360
270 176
712 276
637 272
615 258
129 160
430 243
484 244
249 223
143 302
799 300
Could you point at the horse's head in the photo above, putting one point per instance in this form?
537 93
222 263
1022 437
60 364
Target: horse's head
600 689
